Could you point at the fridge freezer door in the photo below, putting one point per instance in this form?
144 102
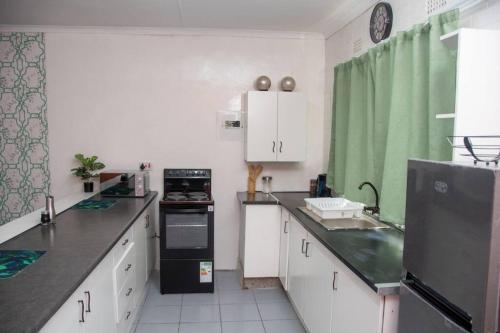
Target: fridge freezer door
448 233
416 315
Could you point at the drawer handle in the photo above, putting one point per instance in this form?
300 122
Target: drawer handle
128 267
82 318
284 228
147 222
125 242
129 291
88 301
307 249
334 280
303 241
128 315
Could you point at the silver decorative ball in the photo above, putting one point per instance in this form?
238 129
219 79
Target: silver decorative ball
287 83
263 83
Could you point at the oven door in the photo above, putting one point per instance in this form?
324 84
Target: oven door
186 232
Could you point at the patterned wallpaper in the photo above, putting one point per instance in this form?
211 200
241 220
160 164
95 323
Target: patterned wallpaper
24 154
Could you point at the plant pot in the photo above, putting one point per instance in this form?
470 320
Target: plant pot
88 187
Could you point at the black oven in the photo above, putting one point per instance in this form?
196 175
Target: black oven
187 232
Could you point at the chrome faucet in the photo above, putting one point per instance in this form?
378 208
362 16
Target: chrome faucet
376 208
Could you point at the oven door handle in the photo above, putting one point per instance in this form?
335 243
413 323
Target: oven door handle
187 211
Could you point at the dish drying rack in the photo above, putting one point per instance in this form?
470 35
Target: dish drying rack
334 208
481 148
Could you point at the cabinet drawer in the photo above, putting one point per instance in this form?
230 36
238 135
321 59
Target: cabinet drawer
125 297
125 267
123 244
126 319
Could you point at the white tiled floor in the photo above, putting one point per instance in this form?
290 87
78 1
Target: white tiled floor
229 310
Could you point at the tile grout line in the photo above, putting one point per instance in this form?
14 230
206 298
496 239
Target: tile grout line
220 310
180 314
258 310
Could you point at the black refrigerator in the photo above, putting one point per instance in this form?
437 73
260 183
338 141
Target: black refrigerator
451 256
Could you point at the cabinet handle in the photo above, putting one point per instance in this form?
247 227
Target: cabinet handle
281 145
274 146
88 301
128 267
128 315
303 241
284 228
82 306
307 249
129 291
125 242
334 280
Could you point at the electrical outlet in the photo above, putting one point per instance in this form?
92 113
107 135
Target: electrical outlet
145 166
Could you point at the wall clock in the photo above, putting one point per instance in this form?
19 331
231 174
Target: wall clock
381 22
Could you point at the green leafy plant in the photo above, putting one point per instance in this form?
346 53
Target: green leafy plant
88 168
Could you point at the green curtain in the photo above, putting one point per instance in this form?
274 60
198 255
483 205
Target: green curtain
384 106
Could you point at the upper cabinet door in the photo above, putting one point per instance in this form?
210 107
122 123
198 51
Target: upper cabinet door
292 127
261 126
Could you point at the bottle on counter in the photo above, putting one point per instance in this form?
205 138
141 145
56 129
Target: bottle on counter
45 218
266 184
313 184
50 208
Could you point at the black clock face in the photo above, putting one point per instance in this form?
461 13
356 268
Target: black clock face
381 22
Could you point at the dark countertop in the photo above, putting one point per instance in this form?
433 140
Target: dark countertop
75 245
258 198
376 256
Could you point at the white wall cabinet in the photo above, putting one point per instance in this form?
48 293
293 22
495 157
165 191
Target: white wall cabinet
110 297
260 241
275 126
284 240
477 82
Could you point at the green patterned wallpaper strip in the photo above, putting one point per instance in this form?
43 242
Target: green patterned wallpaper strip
24 152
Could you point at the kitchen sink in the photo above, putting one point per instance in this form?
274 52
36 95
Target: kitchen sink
364 222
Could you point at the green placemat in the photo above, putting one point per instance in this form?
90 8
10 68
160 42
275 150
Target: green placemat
95 204
14 261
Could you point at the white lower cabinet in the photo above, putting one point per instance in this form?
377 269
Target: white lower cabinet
99 304
297 265
260 240
318 287
284 240
356 308
110 297
327 295
90 308
150 240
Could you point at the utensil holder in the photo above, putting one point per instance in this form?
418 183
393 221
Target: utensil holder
251 185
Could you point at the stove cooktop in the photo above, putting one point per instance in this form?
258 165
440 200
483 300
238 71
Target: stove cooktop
186 196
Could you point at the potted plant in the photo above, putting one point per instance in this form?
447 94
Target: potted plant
87 170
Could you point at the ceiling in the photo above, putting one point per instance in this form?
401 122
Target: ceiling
279 15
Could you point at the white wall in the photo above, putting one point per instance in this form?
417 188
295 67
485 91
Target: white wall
339 46
132 97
